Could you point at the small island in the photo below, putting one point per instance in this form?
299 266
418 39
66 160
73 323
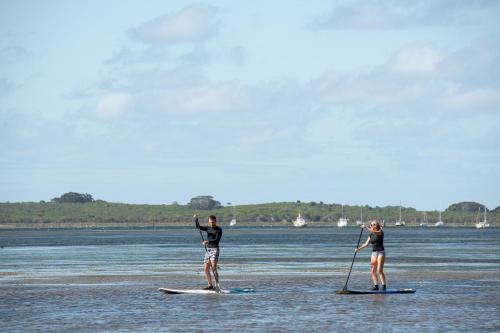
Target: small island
76 210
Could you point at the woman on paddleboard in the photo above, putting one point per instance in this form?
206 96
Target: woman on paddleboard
376 239
214 234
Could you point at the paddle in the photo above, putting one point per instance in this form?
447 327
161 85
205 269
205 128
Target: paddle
352 263
216 274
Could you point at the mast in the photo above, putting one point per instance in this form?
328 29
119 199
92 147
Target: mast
400 212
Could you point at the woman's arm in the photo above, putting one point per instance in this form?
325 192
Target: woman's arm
364 245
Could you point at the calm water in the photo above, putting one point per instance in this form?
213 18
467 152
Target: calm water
106 281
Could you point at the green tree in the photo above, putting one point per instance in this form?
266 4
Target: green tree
204 202
468 206
73 197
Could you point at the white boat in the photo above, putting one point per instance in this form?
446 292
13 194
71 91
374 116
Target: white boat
360 221
439 223
342 222
299 222
423 222
483 224
232 223
400 222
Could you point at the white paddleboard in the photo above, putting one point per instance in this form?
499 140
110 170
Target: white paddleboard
205 292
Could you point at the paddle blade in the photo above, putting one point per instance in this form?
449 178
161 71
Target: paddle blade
343 291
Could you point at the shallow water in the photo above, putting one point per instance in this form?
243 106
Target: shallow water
106 281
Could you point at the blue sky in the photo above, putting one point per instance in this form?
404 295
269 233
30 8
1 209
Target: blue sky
354 102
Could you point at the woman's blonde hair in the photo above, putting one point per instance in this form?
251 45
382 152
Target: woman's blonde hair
376 223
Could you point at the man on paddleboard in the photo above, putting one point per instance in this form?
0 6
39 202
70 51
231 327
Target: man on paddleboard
376 238
214 234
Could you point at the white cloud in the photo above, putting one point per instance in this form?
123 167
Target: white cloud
474 66
214 98
334 127
403 14
364 15
193 23
375 89
112 105
482 99
382 116
129 57
420 99
266 135
420 60
421 79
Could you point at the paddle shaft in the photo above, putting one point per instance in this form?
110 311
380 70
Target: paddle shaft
203 240
352 263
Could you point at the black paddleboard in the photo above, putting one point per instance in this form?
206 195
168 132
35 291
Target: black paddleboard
375 292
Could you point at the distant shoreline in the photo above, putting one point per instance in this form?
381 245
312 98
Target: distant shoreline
109 227
98 215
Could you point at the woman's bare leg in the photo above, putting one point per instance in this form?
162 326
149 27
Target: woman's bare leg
380 268
373 270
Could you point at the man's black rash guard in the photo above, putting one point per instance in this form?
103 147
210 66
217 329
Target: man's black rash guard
214 234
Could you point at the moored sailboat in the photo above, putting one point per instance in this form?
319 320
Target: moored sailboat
232 223
400 222
299 221
423 222
439 223
342 222
483 224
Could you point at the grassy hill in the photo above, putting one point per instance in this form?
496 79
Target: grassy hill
104 214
